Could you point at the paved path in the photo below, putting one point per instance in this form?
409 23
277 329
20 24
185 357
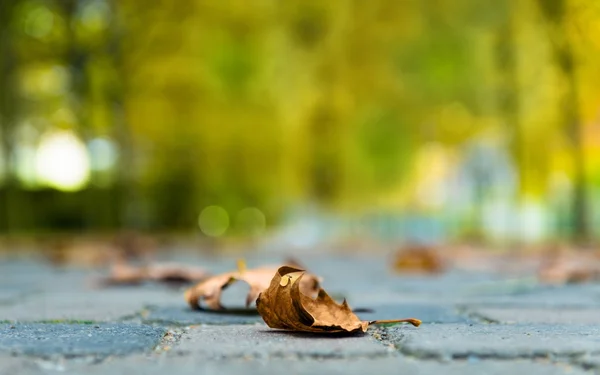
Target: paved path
53 321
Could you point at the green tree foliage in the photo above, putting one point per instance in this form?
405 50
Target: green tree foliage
352 105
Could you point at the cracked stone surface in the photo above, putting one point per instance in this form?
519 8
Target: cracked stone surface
473 323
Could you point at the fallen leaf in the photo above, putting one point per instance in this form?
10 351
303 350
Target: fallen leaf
569 267
209 290
123 273
283 305
98 251
87 253
175 273
418 259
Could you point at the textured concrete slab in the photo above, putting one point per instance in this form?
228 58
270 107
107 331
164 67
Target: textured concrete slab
568 296
364 289
548 330
15 365
427 313
591 362
9 296
459 341
18 279
96 305
28 365
259 341
78 339
180 365
183 315
565 315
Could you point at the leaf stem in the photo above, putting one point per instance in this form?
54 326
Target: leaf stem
413 321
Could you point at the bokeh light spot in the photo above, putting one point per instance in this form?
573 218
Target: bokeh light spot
213 221
39 22
94 15
62 161
251 221
104 154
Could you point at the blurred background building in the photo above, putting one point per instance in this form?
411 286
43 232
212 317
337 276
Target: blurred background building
399 120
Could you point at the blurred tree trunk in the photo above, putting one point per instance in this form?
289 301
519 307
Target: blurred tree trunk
508 97
9 194
99 202
76 59
325 158
555 14
128 201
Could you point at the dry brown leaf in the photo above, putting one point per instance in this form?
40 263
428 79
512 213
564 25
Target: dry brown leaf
172 272
418 259
80 253
569 268
258 278
123 273
97 251
284 306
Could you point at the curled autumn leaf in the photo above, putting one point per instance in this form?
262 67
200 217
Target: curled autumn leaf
209 291
284 306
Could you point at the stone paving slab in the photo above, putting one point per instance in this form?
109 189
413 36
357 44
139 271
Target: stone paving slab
95 305
18 279
183 315
563 315
457 341
445 289
363 366
259 341
9 295
448 342
17 365
569 296
427 313
379 297
590 362
161 365
38 339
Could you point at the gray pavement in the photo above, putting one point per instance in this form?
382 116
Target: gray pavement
59 321
77 338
